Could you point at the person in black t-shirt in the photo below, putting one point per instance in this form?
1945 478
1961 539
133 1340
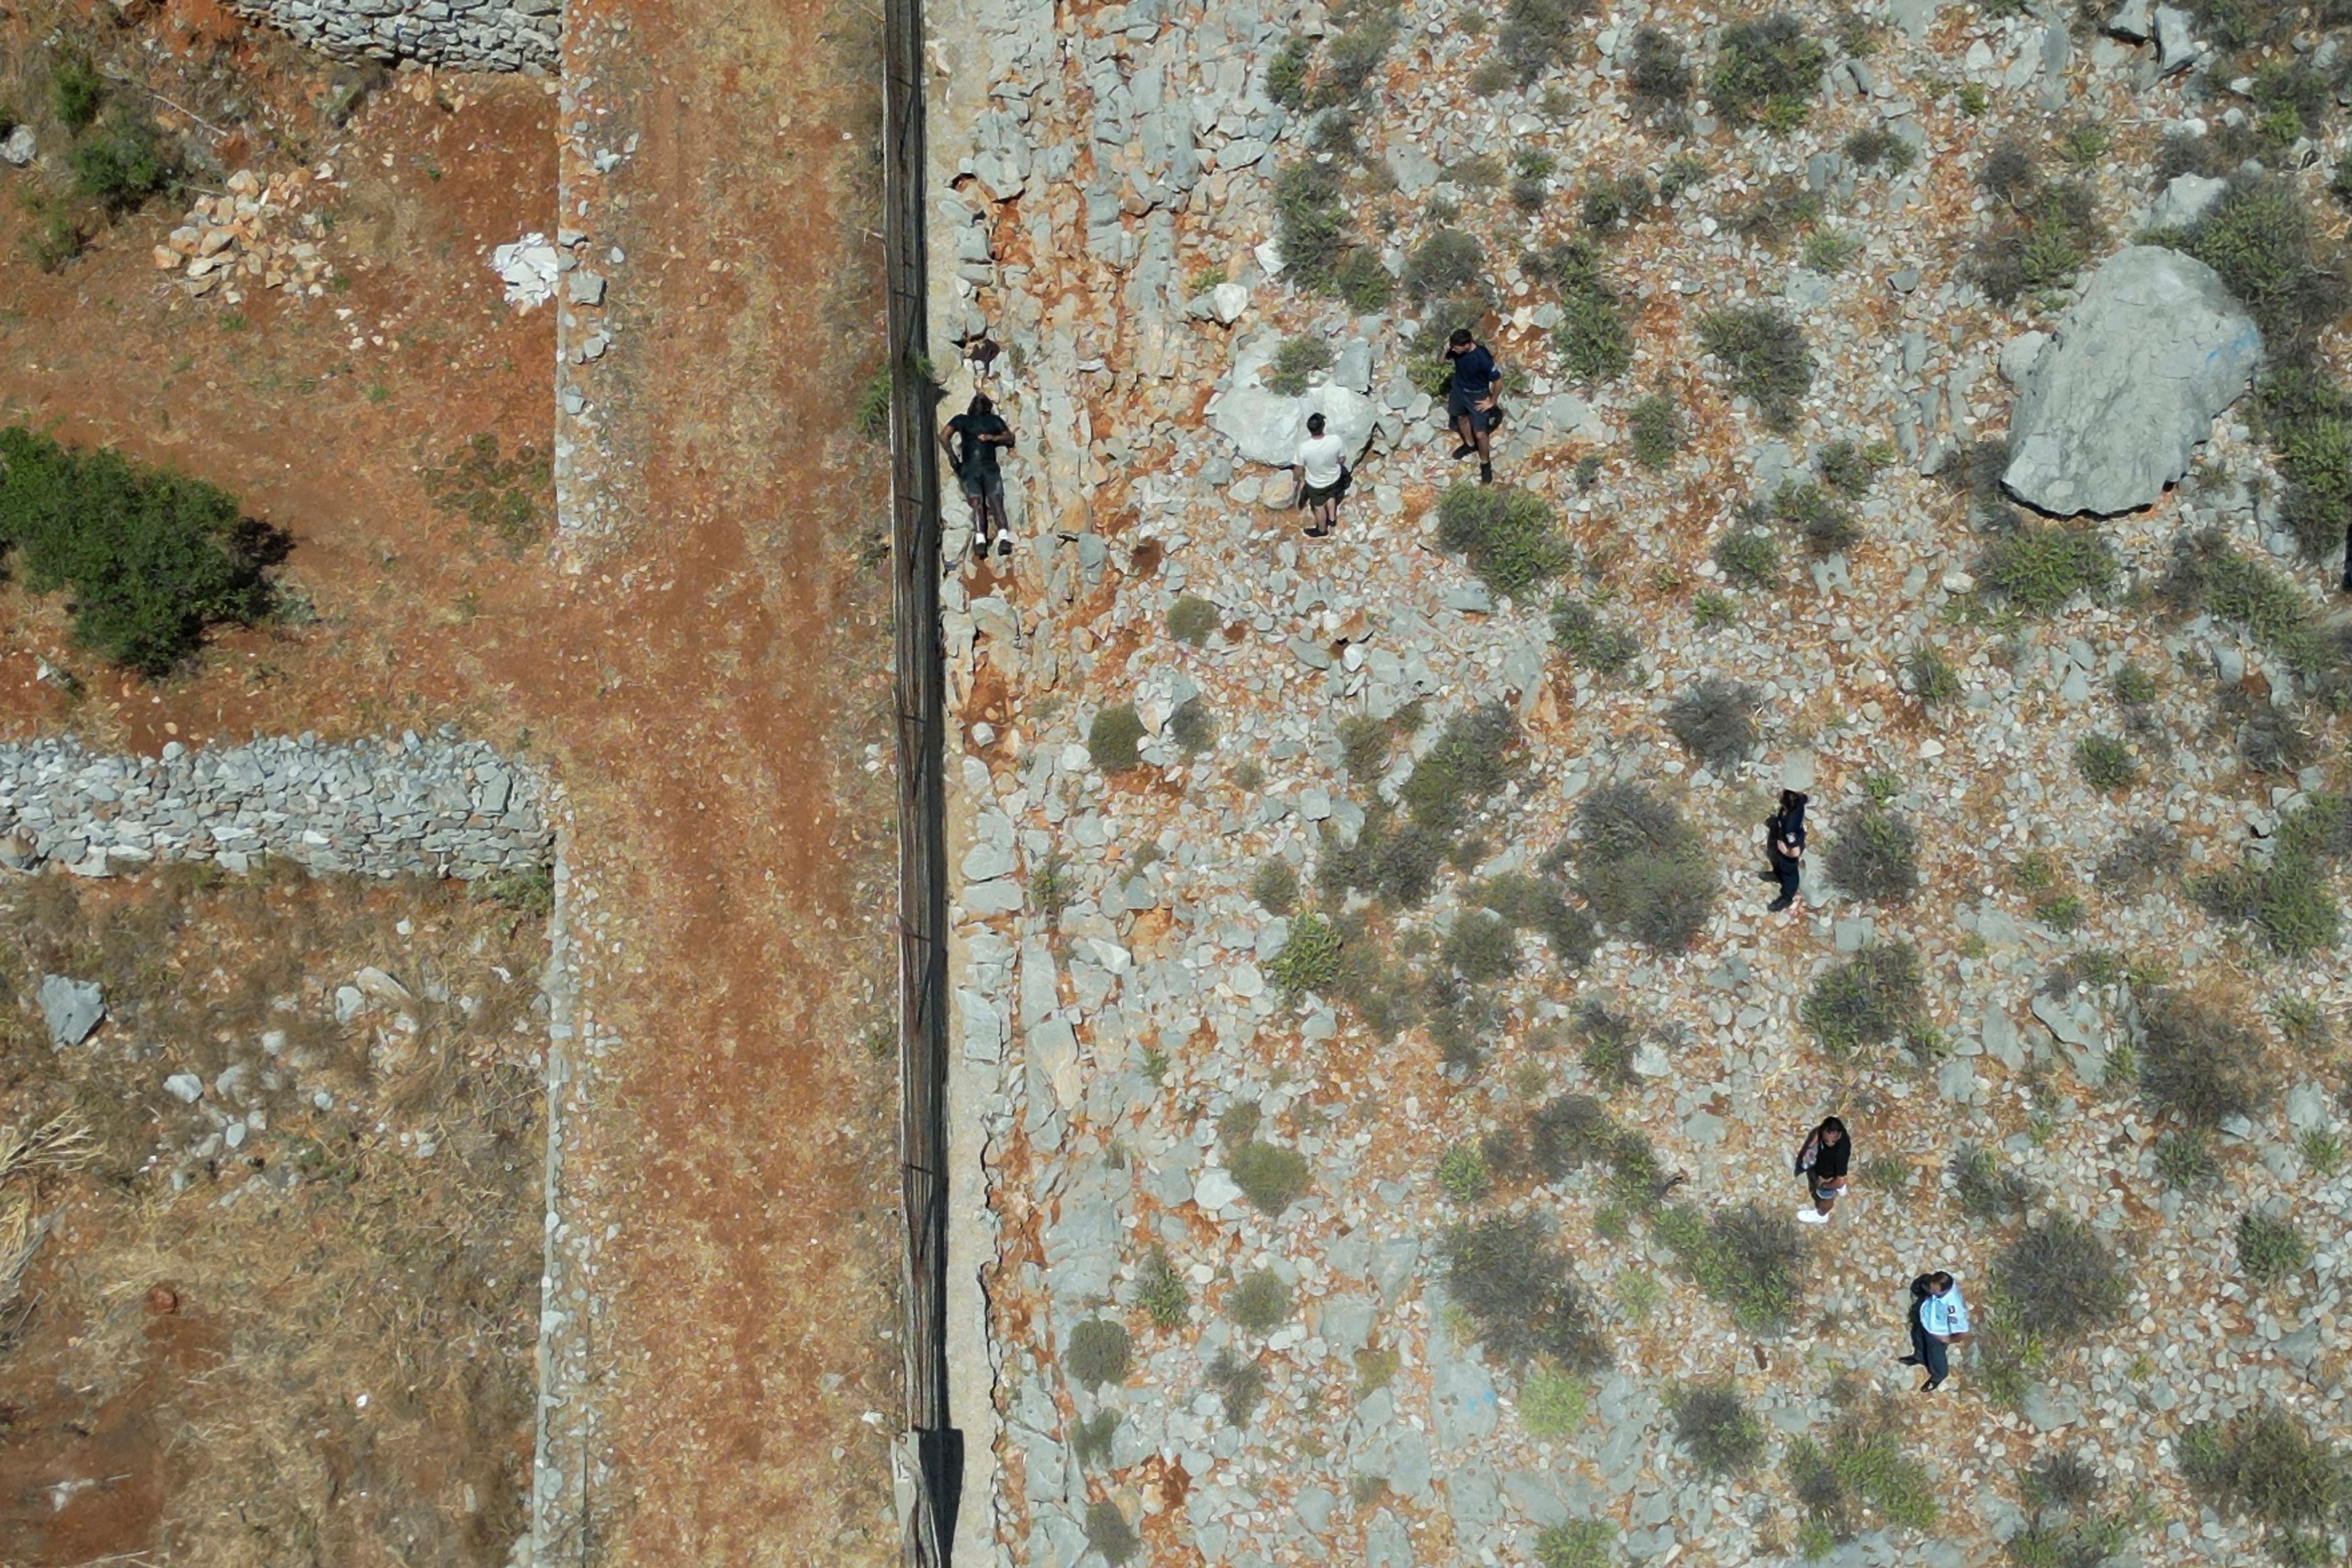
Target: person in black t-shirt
1470 401
971 439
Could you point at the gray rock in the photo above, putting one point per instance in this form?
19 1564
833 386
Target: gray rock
2184 201
1913 16
71 1008
2132 21
1267 428
184 1087
2175 42
2018 354
2111 412
18 149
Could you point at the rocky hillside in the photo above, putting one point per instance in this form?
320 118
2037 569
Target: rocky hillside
1391 1071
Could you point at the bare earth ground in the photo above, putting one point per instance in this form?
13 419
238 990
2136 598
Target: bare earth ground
710 689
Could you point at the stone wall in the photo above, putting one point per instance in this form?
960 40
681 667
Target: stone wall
438 805
453 34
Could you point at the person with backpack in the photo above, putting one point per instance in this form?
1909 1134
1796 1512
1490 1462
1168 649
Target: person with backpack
1940 1320
1470 398
1784 848
1322 471
973 439
1821 1160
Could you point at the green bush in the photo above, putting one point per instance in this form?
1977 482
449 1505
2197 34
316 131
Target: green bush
2105 763
1551 1403
2186 1161
1577 1543
1511 1275
1271 1178
1449 263
1766 71
1097 1353
1878 148
1600 646
1655 426
1874 997
1851 469
1747 1258
1311 223
1933 677
1642 870
1091 1437
1609 1041
1111 739
1462 1174
1240 1385
1285 74
1716 1426
1276 885
1877 856
1594 340
1862 1478
2289 898
1765 355
871 419
2133 687
1658 75
2266 1465
1613 202
1161 1292
2038 568
1309 959
1194 726
2040 239
1463 769
1191 619
123 161
1816 516
1510 535
1353 55
1481 947
1715 722
1109 1533
1260 1301
2307 420
2270 1248
1297 360
1987 1189
2058 1281
1537 34
2206 574
1750 558
76 89
150 560
2258 237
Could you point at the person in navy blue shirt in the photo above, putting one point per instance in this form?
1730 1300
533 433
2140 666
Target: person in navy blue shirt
973 439
1784 848
1470 402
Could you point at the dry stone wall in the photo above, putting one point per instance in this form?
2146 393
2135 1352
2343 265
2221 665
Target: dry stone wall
453 34
440 807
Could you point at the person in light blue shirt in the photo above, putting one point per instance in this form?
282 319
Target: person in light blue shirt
1940 1320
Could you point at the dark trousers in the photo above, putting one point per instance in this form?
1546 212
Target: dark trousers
1931 1352
1785 872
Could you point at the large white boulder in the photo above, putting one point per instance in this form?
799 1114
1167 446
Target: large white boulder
2109 414
1267 426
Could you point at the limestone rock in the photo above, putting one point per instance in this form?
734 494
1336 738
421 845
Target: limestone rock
2111 411
2185 200
18 149
1268 426
71 1008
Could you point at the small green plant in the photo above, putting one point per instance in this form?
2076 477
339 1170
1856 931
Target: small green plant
2322 1152
1860 1479
1091 1439
1639 1295
871 419
1309 957
1510 535
2199 1064
1239 1384
1050 887
1933 677
2059 1280
152 560
125 160
1098 1352
2185 1161
1286 78
1537 34
1658 75
2258 235
1192 619
1594 339
1615 202
1260 1301
1276 885
510 498
1974 100
1750 558
1272 1178
2133 687
1578 1543
1987 1189
2083 144
1684 172
1194 726
2266 1465
1656 430
1827 251
1160 1291
1851 469
1878 148
1450 262
1589 639
1295 362
1766 357
2105 763
1642 870
2271 1250
1714 612
1112 738
1109 1533
2037 568
1551 1403
1746 1257
76 91
1462 1174
1766 72
1874 997
2208 574
1716 1427
530 890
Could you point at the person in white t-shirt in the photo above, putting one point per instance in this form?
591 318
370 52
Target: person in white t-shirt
1322 471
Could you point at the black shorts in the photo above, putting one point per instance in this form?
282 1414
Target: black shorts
1461 405
1315 495
982 484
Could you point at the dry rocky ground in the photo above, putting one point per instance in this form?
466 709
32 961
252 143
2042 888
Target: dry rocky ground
1390 1072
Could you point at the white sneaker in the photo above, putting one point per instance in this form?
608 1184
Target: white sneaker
1812 1216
